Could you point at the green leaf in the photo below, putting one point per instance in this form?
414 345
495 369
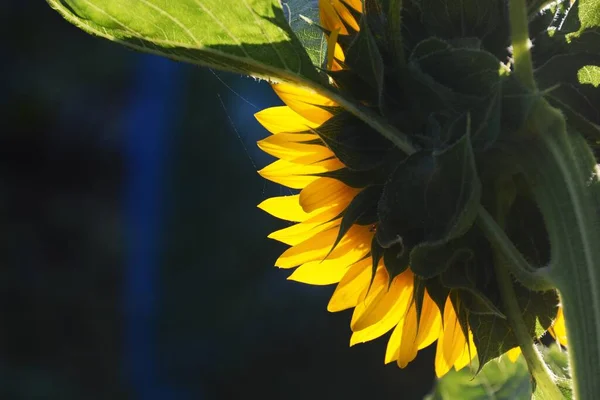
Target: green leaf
577 99
251 38
493 336
498 380
588 13
303 17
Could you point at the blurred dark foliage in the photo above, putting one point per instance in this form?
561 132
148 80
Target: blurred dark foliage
226 324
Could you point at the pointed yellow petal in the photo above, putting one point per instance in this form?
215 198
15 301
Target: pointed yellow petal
430 324
393 346
330 19
408 343
299 153
285 207
388 312
393 301
298 233
283 119
332 46
345 14
326 191
305 102
297 176
325 272
469 352
559 330
348 291
338 54
514 353
356 4
454 339
356 241
441 365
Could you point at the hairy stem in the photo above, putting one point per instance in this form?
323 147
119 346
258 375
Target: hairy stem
520 42
545 383
563 174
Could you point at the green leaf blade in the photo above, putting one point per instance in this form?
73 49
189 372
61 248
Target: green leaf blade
252 38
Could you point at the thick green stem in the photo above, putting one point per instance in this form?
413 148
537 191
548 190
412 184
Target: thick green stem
520 42
545 382
395 32
563 174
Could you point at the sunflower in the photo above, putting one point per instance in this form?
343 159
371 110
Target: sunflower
309 139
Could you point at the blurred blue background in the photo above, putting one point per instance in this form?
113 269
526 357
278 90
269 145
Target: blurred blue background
134 262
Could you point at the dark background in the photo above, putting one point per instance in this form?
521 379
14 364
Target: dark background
134 263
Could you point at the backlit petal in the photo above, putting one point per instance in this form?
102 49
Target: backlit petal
285 207
430 323
305 102
559 329
454 339
514 353
357 240
300 153
325 272
326 191
297 176
351 286
388 312
283 119
298 233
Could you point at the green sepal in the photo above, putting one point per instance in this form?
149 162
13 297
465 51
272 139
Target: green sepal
364 58
353 142
362 210
443 186
396 259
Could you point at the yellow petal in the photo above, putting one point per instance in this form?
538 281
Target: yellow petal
514 353
430 323
469 352
325 272
332 46
330 19
356 241
559 330
326 191
305 102
356 4
338 54
285 207
298 233
454 339
388 312
351 286
283 119
300 153
345 14
441 365
383 300
408 344
297 176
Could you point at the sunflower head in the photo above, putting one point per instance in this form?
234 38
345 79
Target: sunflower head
394 230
